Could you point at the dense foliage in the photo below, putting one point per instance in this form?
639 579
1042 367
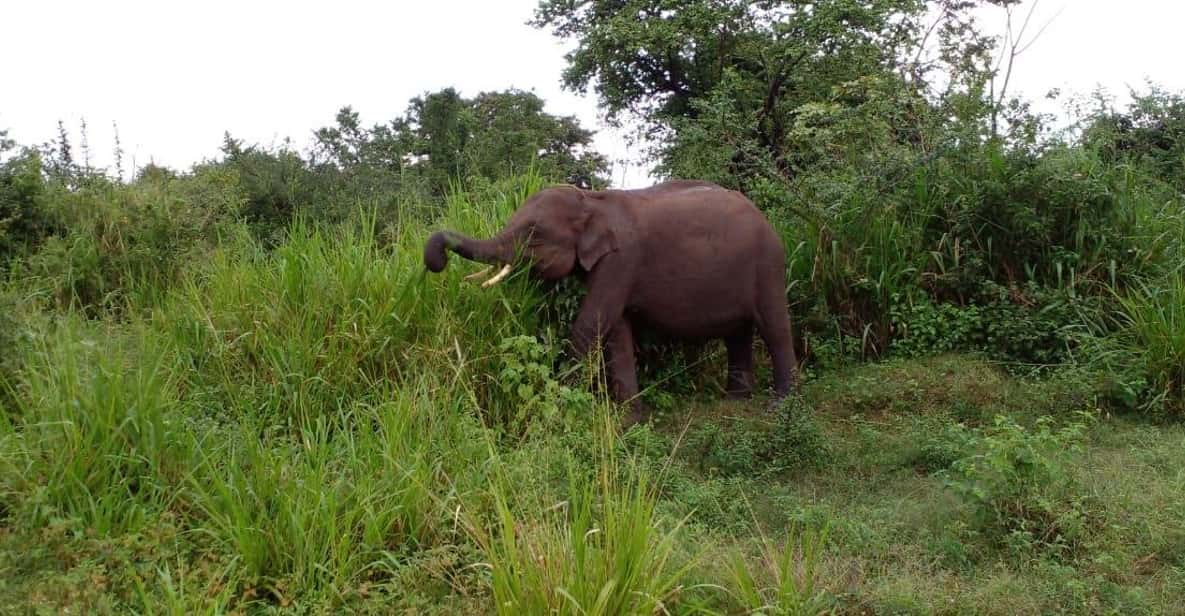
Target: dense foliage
908 187
234 388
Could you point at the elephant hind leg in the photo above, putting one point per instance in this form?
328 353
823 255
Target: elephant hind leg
773 323
740 362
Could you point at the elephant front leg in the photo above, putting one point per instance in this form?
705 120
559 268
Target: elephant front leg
602 309
601 321
623 371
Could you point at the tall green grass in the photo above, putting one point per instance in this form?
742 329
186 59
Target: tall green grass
601 550
332 315
1152 332
96 433
311 414
786 580
319 511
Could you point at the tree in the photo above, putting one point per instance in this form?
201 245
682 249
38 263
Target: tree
59 158
24 219
444 137
350 146
510 130
358 162
438 127
653 57
729 81
1149 133
275 184
6 144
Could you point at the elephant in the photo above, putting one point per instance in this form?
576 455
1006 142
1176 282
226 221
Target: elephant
686 258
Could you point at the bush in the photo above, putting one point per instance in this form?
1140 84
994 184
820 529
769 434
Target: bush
1150 133
1031 325
1024 236
124 244
792 441
797 439
531 391
25 216
276 187
1019 489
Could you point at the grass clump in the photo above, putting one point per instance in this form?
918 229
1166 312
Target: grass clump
95 435
601 550
320 510
1152 333
786 578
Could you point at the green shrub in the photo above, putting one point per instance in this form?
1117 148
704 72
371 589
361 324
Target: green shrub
1149 134
924 327
792 441
938 450
275 186
125 244
531 391
729 450
1019 489
797 440
1031 325
978 236
26 218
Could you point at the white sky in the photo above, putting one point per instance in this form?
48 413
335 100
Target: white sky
175 75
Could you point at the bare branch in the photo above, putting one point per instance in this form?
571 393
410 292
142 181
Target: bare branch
1014 46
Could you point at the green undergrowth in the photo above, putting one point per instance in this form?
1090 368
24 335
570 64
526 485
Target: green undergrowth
946 485
322 427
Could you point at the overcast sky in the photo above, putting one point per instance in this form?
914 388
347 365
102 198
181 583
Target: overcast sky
175 75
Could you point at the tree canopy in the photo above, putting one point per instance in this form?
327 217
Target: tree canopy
729 89
443 137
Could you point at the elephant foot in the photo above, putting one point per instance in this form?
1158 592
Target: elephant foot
739 394
776 400
638 414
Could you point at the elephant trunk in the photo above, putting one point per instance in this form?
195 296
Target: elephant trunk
493 251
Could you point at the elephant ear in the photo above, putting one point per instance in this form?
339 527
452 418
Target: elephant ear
596 238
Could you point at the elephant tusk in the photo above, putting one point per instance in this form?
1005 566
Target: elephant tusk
476 275
502 274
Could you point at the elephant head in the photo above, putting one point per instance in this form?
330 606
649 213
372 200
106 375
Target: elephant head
554 230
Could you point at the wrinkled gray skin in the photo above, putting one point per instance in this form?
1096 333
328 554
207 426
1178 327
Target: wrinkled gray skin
688 259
